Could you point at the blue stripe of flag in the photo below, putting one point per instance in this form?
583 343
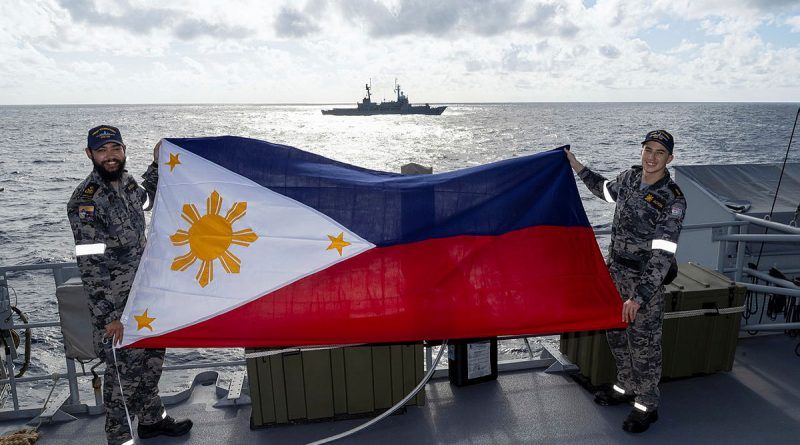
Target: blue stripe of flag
389 208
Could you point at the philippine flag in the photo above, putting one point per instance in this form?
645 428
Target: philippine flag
254 244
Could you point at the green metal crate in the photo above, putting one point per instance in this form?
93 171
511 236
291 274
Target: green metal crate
701 344
332 383
693 345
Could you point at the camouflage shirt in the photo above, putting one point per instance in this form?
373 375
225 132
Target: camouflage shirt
647 224
108 226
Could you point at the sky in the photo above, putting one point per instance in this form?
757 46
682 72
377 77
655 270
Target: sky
448 51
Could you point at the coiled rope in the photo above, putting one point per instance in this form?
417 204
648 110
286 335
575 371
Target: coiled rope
21 437
28 437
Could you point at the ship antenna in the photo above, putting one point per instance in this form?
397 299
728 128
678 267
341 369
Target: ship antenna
775 198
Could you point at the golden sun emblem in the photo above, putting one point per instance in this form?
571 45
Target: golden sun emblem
209 237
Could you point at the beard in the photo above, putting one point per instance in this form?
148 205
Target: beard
110 175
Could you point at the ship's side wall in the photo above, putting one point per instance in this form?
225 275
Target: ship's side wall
696 245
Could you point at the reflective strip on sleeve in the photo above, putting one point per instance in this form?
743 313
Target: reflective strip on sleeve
663 244
618 389
607 194
640 407
90 249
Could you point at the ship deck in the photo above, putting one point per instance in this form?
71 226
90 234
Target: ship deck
757 402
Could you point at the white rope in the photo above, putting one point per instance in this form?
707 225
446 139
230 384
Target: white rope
696 312
390 410
305 348
124 402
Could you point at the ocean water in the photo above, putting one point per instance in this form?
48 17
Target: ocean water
42 161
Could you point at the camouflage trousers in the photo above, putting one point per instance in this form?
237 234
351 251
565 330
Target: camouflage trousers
139 371
637 349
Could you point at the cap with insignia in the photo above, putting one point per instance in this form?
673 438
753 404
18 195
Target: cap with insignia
662 137
103 134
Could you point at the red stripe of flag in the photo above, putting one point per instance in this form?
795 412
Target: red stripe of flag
541 279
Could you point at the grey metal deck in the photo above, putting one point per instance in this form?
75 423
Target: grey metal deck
758 402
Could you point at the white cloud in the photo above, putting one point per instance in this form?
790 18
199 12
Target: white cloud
684 47
451 50
794 22
22 20
80 67
610 51
194 65
727 26
695 9
293 23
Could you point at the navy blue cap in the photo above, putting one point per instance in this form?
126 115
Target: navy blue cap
662 137
102 134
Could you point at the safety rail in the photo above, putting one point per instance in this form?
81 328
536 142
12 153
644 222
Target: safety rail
61 273
776 286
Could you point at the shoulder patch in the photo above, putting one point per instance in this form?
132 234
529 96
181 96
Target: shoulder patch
676 211
655 201
85 212
89 191
131 186
675 189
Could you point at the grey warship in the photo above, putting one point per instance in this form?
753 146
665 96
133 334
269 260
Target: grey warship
401 106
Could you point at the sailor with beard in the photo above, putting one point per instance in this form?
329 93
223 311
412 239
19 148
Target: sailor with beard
106 214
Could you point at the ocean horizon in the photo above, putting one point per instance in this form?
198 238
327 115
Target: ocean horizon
413 103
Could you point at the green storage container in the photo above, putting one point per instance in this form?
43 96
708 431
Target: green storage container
700 344
332 383
589 350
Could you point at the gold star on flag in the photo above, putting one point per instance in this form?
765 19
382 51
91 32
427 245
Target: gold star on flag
337 242
174 160
143 321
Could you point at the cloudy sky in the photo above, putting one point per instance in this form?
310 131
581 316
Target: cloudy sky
323 51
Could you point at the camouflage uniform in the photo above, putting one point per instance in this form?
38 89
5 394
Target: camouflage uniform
99 214
644 236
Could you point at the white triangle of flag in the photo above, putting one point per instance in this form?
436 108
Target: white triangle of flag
209 218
